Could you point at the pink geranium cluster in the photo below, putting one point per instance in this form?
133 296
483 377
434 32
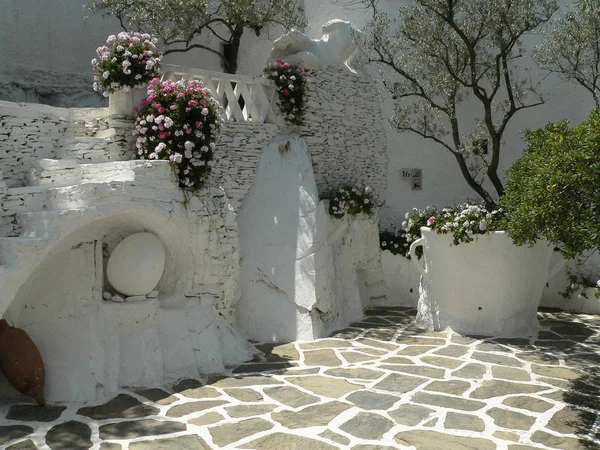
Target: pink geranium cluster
290 81
129 60
179 122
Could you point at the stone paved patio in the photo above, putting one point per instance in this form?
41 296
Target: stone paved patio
378 384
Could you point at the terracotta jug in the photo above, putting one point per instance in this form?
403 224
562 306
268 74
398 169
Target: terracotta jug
21 362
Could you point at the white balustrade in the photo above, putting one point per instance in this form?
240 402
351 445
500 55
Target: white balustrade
243 98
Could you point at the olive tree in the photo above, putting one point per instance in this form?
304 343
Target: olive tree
571 47
179 23
453 68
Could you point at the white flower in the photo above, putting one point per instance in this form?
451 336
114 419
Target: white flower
189 145
94 61
176 157
384 244
160 147
204 111
482 225
366 201
120 48
106 74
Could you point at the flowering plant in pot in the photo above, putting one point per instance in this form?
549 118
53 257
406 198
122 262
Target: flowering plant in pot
123 68
179 122
290 81
351 200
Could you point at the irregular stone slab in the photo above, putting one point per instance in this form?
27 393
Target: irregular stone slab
325 343
192 407
430 440
263 367
321 358
510 373
414 350
556 395
327 387
574 329
292 372
121 407
457 421
519 343
472 371
372 351
378 320
347 333
157 396
312 416
359 373
377 344
465 340
455 387
416 340
397 360
447 402
139 428
10 432
279 352
522 447
335 437
178 443
511 419
27 445
492 347
498 388
186 384
290 396
410 415
255 380
528 403
71 435
207 419
563 384
239 411
373 447
552 441
539 358
429 372
231 432
448 363
367 426
35 413
280 441
201 392
354 357
571 420
497 359
245 395
431 422
556 372
372 400
386 335
399 383
507 436
452 350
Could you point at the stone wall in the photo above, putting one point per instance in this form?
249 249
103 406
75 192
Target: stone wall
343 127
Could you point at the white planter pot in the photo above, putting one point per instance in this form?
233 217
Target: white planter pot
488 287
121 103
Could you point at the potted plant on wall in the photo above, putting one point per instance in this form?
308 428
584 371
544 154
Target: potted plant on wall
123 68
451 67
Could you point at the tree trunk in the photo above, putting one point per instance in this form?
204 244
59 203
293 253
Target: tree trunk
231 50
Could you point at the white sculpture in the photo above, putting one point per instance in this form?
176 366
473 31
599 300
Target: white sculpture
136 264
336 47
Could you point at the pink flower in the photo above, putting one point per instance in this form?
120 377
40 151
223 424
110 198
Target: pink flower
161 110
180 95
286 92
437 230
173 107
188 131
164 135
430 220
203 102
188 109
193 103
304 74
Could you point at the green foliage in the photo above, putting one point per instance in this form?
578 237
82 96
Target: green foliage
448 61
571 47
553 190
396 242
179 22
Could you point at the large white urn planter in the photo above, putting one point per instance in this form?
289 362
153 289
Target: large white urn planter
121 103
488 287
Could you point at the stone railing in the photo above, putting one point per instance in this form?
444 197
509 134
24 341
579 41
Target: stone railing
243 98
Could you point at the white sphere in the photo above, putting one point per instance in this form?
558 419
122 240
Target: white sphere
136 265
